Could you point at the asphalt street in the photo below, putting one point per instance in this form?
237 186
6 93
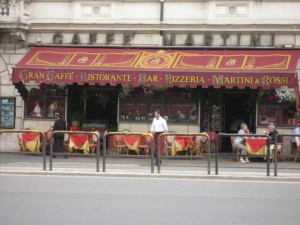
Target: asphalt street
72 200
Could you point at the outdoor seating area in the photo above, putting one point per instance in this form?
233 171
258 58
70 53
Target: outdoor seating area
174 145
73 143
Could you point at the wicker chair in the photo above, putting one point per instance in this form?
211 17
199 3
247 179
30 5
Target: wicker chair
120 145
145 144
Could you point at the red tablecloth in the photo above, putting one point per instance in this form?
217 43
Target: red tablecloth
31 142
181 143
29 137
184 141
255 144
132 142
79 139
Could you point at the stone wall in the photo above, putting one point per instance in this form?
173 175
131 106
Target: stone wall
11 53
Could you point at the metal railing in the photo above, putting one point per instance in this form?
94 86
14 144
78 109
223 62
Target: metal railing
184 134
97 134
276 152
127 134
31 131
244 135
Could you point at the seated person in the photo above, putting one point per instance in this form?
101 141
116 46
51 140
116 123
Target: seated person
272 132
239 141
296 131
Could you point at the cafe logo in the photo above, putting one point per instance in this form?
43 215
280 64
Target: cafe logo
156 60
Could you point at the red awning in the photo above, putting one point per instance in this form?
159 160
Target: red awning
229 68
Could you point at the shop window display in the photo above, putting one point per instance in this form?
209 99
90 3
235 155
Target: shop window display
279 114
44 107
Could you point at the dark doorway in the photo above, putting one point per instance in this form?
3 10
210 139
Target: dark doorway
100 104
237 107
102 107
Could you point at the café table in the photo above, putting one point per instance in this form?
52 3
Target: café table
181 143
132 142
31 142
256 146
79 141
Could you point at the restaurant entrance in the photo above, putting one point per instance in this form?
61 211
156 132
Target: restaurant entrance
97 106
237 107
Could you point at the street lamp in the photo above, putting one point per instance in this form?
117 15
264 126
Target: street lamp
5 4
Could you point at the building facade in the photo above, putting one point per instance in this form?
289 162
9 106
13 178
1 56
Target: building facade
169 24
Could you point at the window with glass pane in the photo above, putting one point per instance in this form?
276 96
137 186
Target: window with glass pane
280 114
7 112
44 107
288 115
268 114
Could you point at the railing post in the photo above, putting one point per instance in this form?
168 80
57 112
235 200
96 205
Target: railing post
51 152
152 154
158 153
44 151
98 152
268 156
208 154
275 155
217 155
104 151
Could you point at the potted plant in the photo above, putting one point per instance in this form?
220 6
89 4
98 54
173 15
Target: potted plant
33 91
76 119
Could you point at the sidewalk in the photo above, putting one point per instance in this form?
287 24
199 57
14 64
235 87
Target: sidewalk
195 168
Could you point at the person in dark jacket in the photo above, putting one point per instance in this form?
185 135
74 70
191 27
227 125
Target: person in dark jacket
272 132
61 125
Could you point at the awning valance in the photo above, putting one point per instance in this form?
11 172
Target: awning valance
229 68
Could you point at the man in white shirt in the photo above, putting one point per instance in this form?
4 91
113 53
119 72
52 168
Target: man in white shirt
159 125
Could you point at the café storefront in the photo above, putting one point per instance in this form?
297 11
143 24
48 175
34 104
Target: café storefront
197 90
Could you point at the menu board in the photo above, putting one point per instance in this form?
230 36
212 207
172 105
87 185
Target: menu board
7 116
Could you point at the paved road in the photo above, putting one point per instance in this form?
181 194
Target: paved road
79 200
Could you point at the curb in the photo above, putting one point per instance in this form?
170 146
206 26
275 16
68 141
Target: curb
147 175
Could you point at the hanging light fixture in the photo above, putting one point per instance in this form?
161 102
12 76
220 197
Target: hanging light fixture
5 4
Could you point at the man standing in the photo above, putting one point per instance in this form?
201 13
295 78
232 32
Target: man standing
159 125
239 141
59 125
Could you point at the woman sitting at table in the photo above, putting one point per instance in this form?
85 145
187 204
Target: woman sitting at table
239 142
